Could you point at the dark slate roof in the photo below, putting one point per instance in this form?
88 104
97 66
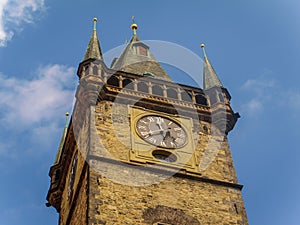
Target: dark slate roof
210 77
131 62
93 50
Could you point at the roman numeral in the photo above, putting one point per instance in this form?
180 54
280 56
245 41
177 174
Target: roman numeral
144 133
143 121
142 127
151 119
177 128
152 140
162 143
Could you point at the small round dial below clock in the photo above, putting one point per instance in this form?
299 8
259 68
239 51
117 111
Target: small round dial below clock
161 131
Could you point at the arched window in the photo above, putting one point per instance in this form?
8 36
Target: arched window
127 83
142 87
86 70
221 98
172 93
201 100
213 98
186 96
95 70
157 90
113 81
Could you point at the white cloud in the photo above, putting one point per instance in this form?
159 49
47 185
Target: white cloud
253 107
259 85
32 110
262 91
14 14
42 99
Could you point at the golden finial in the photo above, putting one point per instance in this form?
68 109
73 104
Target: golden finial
134 26
203 48
67 113
95 22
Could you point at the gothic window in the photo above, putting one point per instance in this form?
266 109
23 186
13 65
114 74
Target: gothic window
72 174
213 98
186 96
113 81
172 93
201 100
86 70
157 90
221 98
142 87
95 70
127 83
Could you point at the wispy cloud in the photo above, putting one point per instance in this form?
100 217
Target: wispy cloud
259 85
253 107
37 100
34 108
14 14
268 92
262 91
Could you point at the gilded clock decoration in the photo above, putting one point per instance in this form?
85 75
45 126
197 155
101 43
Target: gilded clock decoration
161 131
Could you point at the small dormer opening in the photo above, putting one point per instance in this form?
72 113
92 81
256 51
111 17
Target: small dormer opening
141 49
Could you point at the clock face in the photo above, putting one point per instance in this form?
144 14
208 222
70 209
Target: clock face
161 131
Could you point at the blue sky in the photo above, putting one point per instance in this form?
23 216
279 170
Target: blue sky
253 46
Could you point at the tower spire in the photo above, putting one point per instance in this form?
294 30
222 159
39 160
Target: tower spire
57 157
93 50
210 77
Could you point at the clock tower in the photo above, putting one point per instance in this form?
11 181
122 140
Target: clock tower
141 149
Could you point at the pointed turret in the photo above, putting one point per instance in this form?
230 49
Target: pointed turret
62 140
93 50
136 58
210 77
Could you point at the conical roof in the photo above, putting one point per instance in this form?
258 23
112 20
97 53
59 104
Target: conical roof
210 77
136 58
93 50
